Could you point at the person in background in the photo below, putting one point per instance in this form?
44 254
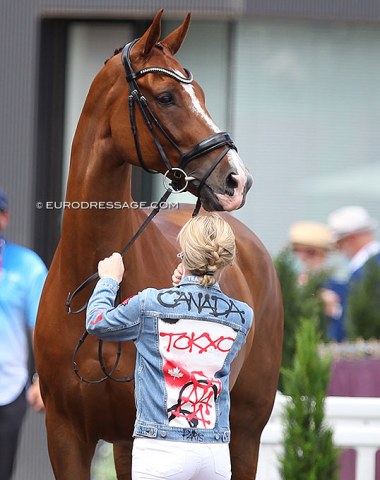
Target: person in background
355 233
186 338
313 243
22 275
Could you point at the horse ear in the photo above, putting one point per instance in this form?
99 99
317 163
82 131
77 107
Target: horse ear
174 40
151 36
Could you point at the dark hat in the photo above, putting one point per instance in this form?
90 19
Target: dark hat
3 201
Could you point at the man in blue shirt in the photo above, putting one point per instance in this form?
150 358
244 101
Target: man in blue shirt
22 275
355 232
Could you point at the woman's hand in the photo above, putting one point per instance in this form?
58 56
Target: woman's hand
34 396
178 275
112 267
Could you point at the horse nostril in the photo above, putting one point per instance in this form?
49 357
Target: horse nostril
231 184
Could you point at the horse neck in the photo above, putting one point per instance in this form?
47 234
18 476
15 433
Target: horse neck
98 180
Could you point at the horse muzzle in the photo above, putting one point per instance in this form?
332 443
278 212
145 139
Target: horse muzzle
235 193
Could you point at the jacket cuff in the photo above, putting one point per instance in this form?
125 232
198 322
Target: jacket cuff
110 284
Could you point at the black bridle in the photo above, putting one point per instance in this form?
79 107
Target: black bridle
204 147
179 182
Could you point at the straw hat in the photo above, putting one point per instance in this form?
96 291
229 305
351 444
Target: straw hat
312 234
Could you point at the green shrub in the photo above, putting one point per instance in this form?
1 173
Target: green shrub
363 304
299 302
309 453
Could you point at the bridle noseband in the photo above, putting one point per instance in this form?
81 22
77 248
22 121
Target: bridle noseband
178 184
204 147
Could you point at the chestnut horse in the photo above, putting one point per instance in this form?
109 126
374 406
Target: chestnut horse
160 120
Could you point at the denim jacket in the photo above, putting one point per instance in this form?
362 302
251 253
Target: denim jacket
186 338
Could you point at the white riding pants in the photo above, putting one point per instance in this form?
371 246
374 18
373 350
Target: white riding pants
154 459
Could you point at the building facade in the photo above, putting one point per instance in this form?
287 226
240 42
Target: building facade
295 83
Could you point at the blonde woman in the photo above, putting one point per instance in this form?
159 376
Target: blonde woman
186 337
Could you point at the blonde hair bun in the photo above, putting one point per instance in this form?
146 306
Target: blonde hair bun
208 245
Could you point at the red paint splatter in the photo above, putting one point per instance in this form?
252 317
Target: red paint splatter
97 319
124 302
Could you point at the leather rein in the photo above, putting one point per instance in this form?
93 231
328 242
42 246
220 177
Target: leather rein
179 182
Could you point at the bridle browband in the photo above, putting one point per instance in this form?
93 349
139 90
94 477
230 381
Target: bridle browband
209 144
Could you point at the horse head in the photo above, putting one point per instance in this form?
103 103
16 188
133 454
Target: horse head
172 131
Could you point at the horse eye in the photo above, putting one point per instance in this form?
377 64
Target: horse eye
165 98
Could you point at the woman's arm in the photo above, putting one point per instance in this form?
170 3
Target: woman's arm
102 318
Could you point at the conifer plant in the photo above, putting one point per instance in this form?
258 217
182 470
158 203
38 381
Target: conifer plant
309 452
299 302
363 312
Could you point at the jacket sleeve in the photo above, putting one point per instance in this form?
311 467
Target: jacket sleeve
107 322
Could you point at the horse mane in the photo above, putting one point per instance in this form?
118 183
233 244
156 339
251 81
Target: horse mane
118 50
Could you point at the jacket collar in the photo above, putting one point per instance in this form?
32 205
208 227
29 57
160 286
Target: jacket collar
194 280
